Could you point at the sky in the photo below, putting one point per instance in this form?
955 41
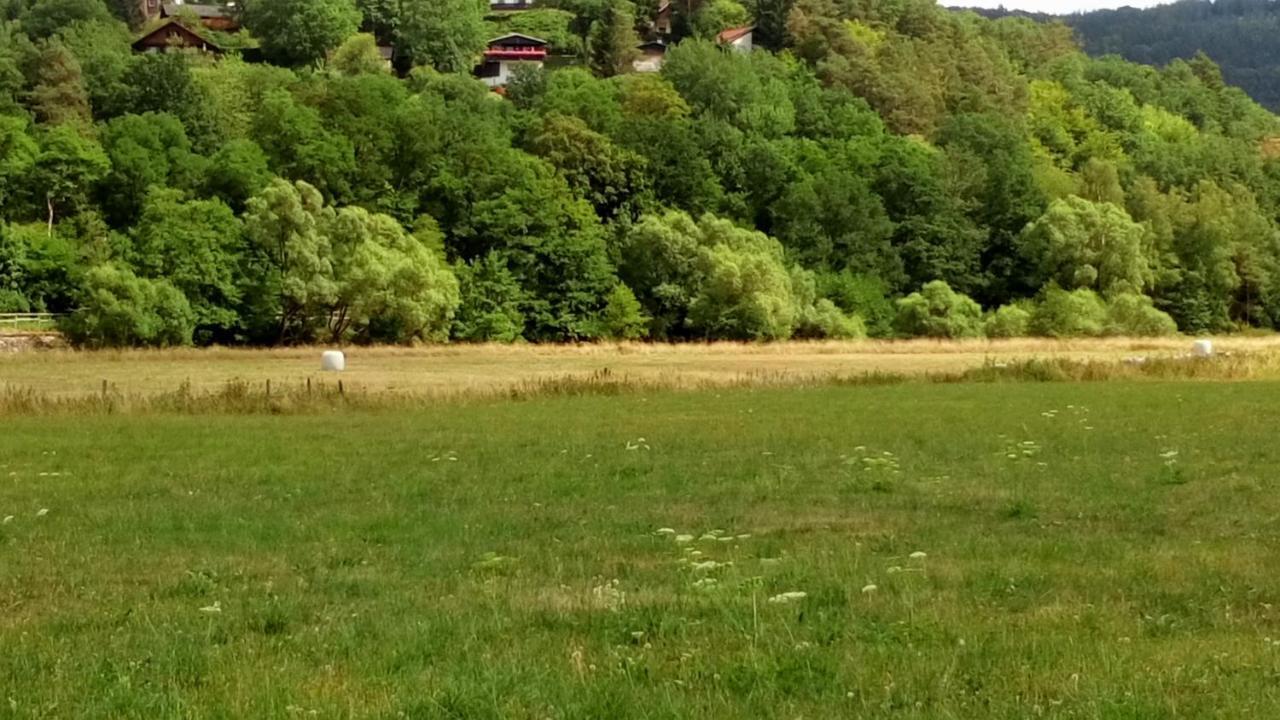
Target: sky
1054 6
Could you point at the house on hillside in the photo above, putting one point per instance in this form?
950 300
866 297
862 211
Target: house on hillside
222 18
215 17
508 52
652 54
662 21
739 39
172 35
500 5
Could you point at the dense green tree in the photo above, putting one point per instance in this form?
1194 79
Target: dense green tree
197 246
145 150
46 17
448 35
611 178
118 308
358 55
1080 244
392 286
67 165
613 39
59 94
300 32
291 256
104 54
938 311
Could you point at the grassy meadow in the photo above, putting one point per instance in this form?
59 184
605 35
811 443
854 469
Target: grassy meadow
1012 550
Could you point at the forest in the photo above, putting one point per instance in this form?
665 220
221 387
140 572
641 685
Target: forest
880 168
1240 35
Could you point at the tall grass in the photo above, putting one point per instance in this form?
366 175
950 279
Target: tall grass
240 396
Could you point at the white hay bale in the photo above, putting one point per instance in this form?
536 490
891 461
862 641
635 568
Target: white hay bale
333 361
1202 348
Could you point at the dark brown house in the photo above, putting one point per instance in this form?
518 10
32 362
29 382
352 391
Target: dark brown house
172 35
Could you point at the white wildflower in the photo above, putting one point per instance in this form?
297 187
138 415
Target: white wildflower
7 519
665 531
788 597
867 589
919 555
682 539
42 512
213 609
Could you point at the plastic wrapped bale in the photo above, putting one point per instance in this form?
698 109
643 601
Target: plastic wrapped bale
333 361
1202 348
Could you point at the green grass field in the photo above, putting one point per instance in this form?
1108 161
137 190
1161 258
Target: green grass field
1102 550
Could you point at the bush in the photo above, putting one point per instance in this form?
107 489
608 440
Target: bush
118 308
1068 314
937 311
824 320
863 296
491 297
1009 321
12 301
623 318
1136 316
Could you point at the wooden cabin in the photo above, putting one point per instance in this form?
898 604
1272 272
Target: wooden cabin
171 35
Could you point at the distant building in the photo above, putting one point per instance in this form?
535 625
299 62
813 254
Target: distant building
510 4
172 35
662 21
215 17
739 39
222 18
651 56
508 52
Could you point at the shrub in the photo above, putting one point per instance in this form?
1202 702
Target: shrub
12 301
1008 321
1068 314
118 308
824 320
1136 316
937 311
491 297
623 318
860 295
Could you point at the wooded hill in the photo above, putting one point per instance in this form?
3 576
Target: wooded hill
874 166
1243 36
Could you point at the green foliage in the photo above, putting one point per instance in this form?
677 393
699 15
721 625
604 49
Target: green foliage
392 286
490 304
613 40
197 247
1134 315
59 94
300 32
358 55
891 145
1007 321
623 317
860 296
47 17
937 311
1068 313
118 308
1080 244
448 35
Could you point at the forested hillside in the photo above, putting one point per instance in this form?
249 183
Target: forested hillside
1243 36
876 166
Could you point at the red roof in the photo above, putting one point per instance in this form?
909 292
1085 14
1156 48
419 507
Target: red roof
733 34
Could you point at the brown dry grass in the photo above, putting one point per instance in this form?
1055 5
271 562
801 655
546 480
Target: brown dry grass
447 371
